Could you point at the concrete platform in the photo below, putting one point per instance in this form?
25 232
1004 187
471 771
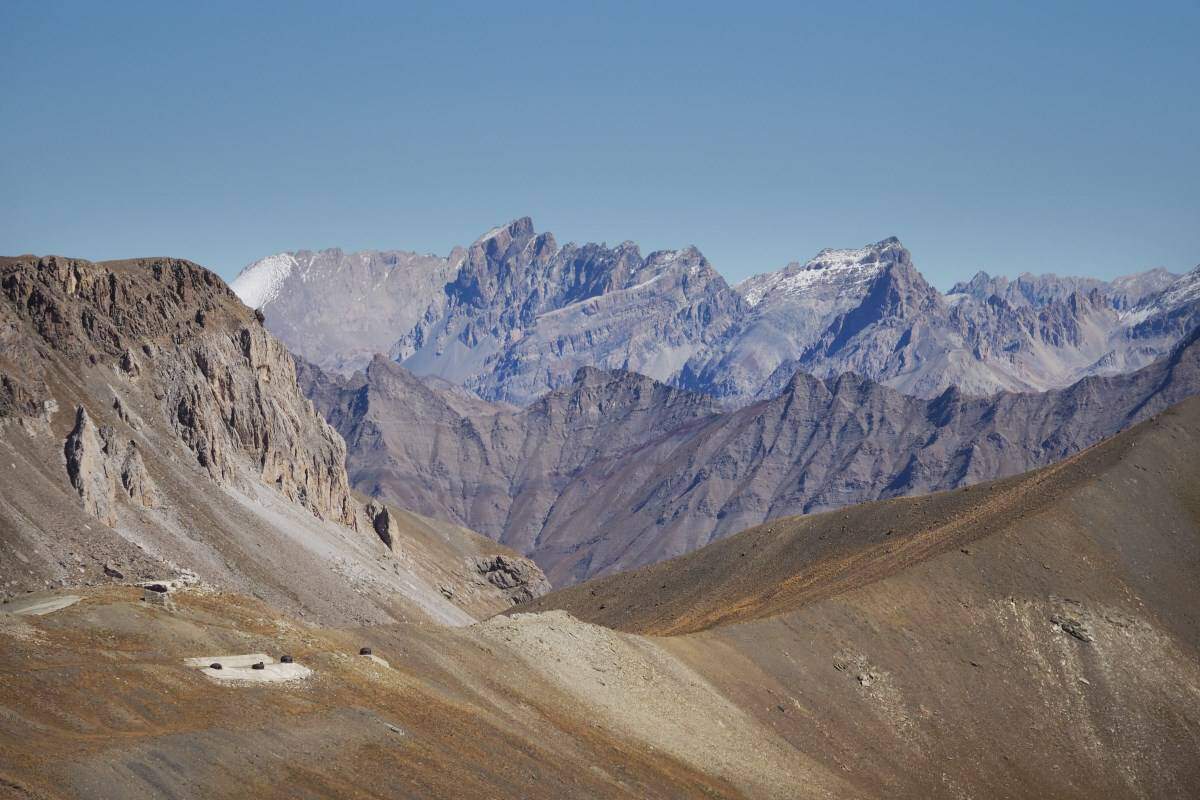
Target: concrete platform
238 669
37 607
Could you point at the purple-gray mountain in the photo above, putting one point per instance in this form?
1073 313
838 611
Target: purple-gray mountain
515 315
615 470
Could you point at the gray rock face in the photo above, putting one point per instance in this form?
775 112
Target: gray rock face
229 387
1039 291
510 317
519 578
523 314
515 315
985 336
102 470
617 470
866 311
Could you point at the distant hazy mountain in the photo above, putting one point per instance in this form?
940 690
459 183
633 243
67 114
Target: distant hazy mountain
515 315
340 308
616 470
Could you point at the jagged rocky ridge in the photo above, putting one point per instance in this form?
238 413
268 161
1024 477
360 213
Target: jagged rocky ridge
515 315
149 394
617 470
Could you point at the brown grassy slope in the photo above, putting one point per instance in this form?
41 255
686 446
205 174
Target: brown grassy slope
933 662
1149 537
96 703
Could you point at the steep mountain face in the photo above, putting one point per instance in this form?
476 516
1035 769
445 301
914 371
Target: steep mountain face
523 314
844 310
514 316
985 336
149 424
1031 637
1167 315
616 470
496 469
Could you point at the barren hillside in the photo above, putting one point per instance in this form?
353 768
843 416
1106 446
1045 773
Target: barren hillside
1035 637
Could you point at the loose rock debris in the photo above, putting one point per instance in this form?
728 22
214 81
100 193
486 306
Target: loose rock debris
1072 627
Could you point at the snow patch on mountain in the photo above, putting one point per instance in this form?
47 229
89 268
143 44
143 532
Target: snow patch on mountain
1184 290
259 284
849 270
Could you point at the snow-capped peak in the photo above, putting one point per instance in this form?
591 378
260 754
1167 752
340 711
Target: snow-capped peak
515 229
847 270
1185 289
259 283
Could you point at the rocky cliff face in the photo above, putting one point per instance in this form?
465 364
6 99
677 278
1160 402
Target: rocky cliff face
617 470
228 386
516 315
102 469
523 314
985 336
161 427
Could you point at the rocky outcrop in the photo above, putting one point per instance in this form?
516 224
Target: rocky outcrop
617 470
226 386
102 469
234 397
381 522
186 435
524 315
519 578
510 317
1039 291
192 445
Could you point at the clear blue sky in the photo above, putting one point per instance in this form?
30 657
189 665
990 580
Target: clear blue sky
1009 136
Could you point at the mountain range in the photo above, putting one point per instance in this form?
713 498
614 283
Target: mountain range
515 315
196 602
616 470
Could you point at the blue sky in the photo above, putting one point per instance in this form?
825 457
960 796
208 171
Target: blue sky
1008 137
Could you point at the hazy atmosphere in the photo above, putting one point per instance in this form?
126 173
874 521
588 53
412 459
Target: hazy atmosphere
1002 136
